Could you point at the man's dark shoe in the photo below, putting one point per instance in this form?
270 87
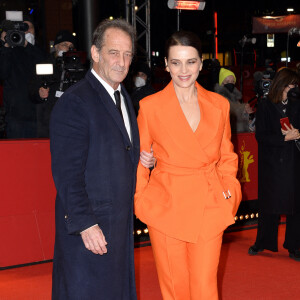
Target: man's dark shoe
294 254
253 250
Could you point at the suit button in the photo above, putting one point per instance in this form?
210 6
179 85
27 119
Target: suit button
128 148
66 216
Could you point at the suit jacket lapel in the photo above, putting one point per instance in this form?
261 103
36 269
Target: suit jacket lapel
109 104
178 127
210 118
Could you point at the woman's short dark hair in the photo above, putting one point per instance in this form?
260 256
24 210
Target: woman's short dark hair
281 80
98 34
183 38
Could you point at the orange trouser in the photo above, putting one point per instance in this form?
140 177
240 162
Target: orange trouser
186 271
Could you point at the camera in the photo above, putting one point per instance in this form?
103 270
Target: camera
15 33
263 84
68 69
74 61
74 65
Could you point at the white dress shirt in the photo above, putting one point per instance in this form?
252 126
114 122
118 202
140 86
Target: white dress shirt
111 91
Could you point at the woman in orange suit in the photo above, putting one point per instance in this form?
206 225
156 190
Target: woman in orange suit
192 193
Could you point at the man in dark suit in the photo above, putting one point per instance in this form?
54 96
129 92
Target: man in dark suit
95 151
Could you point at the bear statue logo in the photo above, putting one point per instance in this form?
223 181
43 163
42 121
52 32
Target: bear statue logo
245 160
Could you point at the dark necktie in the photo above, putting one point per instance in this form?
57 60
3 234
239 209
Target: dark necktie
118 102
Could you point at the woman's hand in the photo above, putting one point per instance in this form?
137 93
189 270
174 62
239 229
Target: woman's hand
290 133
248 109
147 159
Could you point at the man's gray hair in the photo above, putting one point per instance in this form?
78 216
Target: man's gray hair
98 35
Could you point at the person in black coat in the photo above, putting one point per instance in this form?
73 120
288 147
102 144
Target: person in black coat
17 68
279 165
142 84
58 83
95 149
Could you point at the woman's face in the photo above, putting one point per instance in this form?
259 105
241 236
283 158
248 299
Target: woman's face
184 65
286 90
228 79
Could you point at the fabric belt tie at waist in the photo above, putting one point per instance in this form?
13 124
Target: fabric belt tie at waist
209 171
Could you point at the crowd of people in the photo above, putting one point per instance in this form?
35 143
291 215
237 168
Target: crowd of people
28 98
166 156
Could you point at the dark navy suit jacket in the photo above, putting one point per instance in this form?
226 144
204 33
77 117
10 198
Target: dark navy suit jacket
94 169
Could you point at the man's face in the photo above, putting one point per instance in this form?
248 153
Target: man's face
63 46
142 75
112 62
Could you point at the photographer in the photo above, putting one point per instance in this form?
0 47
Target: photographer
17 66
66 71
279 164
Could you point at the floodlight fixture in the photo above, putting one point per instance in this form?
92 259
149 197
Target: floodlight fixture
44 69
186 5
16 16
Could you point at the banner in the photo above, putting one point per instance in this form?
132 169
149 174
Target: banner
275 24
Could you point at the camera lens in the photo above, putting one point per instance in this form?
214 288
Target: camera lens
16 38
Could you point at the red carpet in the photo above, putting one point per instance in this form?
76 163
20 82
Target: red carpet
267 276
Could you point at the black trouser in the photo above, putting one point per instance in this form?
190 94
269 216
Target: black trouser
267 232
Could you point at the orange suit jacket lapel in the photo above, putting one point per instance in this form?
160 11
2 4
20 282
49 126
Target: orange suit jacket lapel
188 141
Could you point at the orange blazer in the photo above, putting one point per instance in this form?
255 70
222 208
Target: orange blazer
195 171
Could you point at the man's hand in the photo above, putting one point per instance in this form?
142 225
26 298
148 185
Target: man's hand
94 240
43 93
3 35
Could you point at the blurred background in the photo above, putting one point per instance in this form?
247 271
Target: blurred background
229 21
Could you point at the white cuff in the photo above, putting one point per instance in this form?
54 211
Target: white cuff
88 228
